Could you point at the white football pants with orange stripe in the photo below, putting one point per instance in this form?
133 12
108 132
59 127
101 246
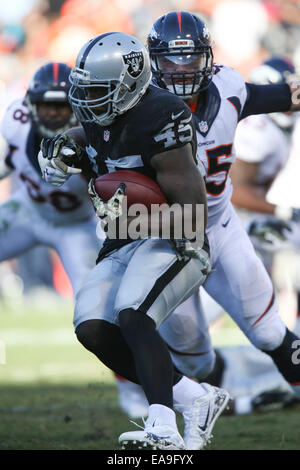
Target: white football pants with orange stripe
240 284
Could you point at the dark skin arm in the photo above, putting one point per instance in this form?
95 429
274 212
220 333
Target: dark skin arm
77 134
178 177
180 180
246 195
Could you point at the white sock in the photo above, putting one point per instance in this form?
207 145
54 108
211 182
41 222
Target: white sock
186 390
161 415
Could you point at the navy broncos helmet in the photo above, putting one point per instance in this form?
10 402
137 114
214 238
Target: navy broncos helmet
275 70
180 51
50 83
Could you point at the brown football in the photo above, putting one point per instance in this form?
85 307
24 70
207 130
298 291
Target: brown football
140 189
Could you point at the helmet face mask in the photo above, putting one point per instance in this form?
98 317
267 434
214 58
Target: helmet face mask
92 102
47 99
112 73
180 53
183 72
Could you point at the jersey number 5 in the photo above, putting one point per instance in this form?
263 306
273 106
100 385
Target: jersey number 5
216 184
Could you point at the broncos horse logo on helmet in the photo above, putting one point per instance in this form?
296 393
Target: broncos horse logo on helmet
181 55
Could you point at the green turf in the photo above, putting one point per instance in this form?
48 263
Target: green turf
56 395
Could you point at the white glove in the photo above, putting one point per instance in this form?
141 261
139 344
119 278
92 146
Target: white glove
55 171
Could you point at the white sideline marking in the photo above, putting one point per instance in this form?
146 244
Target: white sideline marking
30 337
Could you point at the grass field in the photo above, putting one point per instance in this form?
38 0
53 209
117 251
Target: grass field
56 395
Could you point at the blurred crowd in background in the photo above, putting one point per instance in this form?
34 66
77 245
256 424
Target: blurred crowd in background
33 32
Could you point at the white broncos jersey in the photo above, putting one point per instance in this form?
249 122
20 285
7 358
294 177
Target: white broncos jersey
259 140
216 123
68 204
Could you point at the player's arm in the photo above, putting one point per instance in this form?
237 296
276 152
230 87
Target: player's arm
264 99
180 180
246 195
6 165
77 134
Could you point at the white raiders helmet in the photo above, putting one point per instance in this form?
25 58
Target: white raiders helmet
111 75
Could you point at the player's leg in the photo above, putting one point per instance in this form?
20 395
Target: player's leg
131 397
16 228
241 285
155 295
186 332
97 328
96 321
68 241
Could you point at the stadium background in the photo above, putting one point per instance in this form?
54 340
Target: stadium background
47 379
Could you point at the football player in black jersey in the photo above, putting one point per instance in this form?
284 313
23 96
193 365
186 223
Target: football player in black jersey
129 124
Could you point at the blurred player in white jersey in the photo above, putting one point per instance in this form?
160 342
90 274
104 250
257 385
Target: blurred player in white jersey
36 214
182 62
262 146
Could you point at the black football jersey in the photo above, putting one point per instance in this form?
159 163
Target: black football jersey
159 122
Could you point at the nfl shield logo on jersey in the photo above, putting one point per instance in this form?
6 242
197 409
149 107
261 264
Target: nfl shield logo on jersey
135 62
203 126
106 135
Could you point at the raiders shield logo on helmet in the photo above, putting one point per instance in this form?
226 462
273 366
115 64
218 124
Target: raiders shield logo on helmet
135 62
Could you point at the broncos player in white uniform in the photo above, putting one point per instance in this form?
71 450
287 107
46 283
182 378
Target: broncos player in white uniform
259 138
36 214
263 146
182 62
129 123
181 57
